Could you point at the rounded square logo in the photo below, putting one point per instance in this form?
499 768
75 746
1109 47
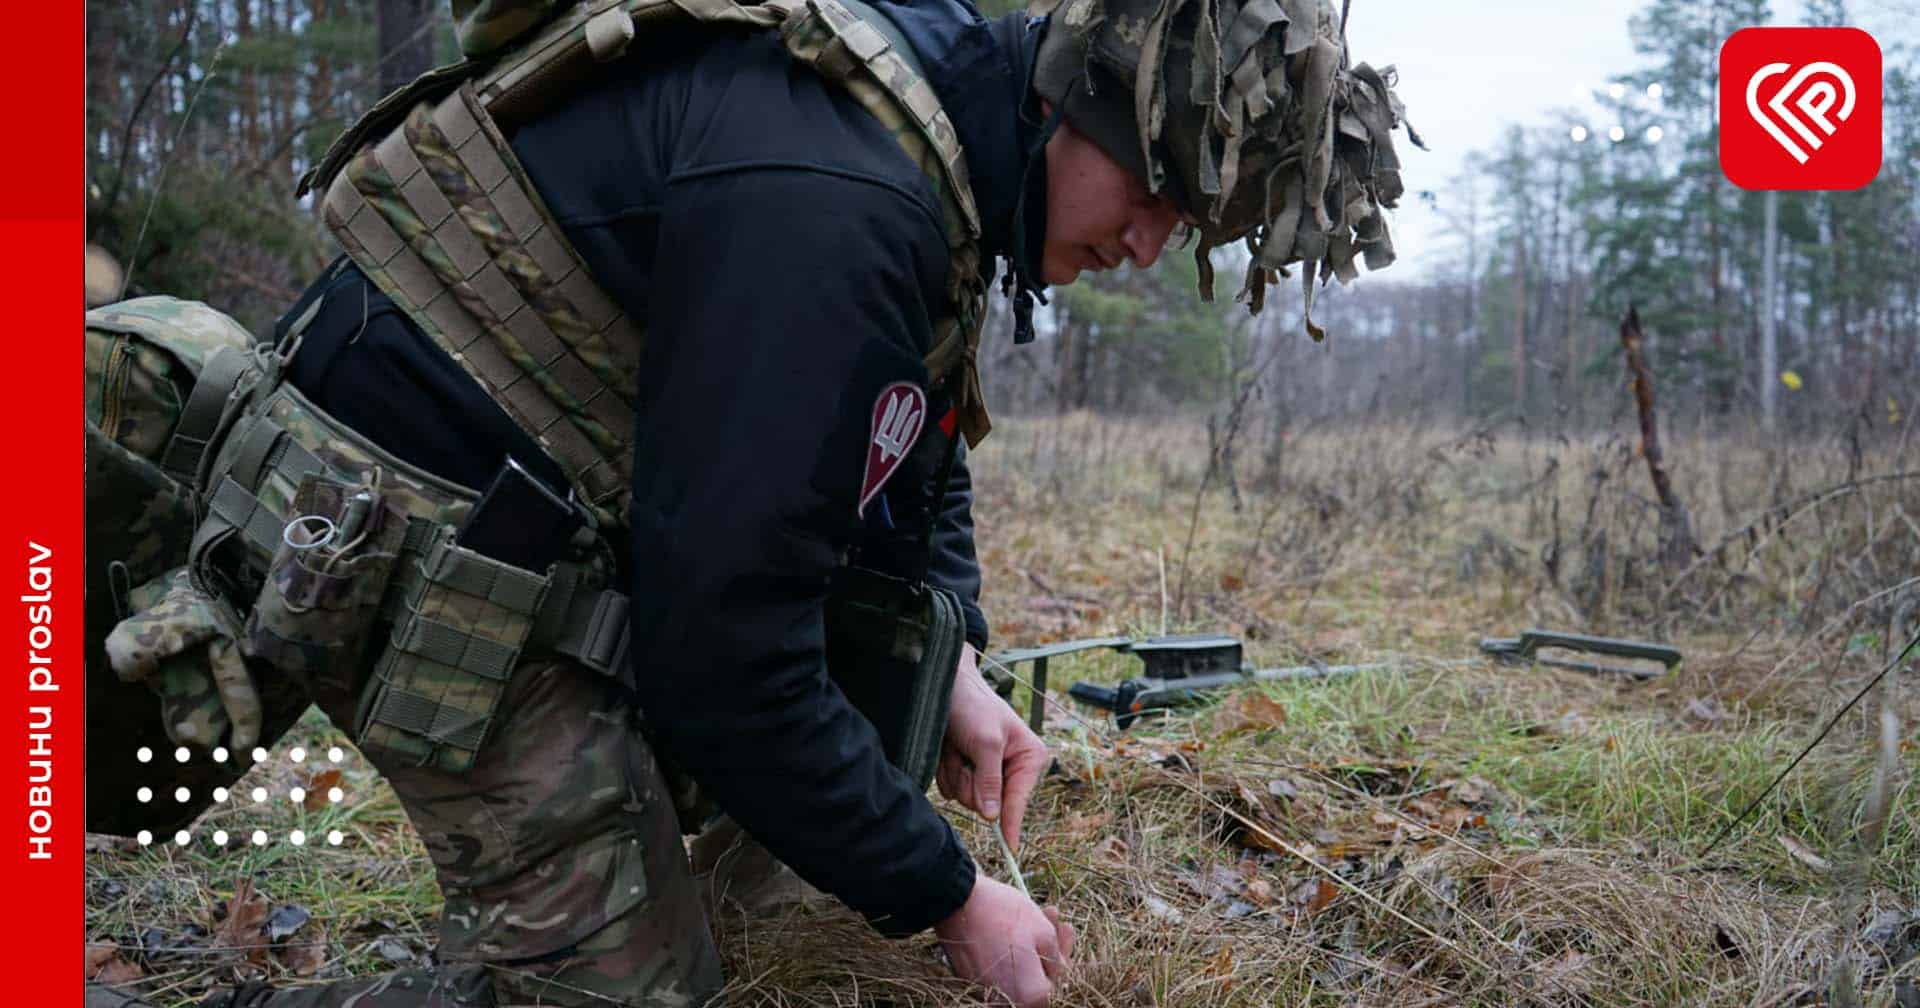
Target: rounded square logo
1800 108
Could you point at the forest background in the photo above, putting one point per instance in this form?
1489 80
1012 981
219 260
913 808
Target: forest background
202 113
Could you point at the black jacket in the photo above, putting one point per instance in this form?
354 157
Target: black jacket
785 260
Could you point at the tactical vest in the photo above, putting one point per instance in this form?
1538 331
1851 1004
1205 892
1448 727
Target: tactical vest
322 558
428 199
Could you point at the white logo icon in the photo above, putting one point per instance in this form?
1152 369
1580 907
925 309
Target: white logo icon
1813 101
900 426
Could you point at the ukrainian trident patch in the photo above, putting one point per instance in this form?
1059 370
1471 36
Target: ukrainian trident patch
898 415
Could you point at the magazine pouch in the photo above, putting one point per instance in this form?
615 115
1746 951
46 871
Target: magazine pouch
460 621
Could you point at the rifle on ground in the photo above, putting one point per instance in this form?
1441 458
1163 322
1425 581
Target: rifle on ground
1526 648
1182 669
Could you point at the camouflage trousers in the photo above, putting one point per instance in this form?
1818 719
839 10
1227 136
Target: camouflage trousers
560 859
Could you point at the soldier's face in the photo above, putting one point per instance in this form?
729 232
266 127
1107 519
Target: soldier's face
1098 214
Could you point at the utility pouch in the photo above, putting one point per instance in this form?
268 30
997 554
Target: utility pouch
321 599
893 647
460 621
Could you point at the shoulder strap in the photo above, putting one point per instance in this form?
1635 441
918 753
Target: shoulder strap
863 54
384 116
428 198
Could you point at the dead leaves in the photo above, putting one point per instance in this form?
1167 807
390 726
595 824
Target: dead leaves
1324 893
1238 890
1248 710
105 965
254 932
303 958
1435 811
1260 807
317 787
1078 826
243 928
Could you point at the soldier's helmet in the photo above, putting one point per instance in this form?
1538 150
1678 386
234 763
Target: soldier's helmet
1248 114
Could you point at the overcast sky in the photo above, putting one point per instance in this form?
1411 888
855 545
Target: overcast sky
1467 70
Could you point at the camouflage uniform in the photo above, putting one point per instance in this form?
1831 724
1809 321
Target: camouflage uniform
558 853
555 844
560 859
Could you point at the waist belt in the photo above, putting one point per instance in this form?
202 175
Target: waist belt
252 460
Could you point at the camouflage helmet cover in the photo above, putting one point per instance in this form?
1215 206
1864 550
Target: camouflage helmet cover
1247 115
486 27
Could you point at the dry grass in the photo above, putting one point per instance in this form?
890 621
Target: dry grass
1433 834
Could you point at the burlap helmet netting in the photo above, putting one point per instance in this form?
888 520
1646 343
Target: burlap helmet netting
1249 116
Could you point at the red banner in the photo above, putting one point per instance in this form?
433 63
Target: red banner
42 230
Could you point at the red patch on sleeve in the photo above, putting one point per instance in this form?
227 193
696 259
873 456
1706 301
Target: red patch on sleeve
899 414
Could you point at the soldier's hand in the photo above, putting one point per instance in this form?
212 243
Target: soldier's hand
990 761
1000 938
181 647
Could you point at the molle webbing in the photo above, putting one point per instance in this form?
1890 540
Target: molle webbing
440 215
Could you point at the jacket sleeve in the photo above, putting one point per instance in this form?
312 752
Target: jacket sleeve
782 302
954 565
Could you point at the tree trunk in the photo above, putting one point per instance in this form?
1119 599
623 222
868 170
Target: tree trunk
1721 388
249 81
1520 326
1677 546
1769 302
